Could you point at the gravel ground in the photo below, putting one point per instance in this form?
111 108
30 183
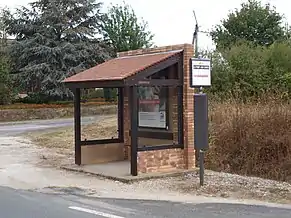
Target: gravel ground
225 185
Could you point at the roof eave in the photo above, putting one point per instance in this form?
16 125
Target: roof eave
86 84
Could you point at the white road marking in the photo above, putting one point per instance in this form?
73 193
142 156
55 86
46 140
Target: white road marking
107 215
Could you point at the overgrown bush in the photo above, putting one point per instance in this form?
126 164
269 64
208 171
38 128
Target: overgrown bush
42 98
110 94
251 139
95 94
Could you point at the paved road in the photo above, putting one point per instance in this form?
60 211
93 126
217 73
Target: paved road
15 128
25 204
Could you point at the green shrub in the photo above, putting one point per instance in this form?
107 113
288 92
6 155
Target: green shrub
248 72
110 94
95 94
41 98
6 90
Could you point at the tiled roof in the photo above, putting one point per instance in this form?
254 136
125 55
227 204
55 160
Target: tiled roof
120 68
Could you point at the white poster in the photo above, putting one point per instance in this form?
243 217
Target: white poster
152 107
152 119
201 72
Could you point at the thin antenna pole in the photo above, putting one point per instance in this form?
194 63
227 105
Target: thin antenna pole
195 35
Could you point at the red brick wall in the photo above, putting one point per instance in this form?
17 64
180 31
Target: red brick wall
126 126
164 160
160 161
188 102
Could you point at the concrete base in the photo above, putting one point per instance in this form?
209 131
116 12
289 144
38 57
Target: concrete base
120 171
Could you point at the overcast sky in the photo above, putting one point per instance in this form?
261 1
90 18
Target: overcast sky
172 22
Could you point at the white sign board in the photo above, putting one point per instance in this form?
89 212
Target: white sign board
200 72
152 119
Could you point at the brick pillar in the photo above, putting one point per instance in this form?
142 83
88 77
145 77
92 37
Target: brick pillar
173 105
126 121
175 114
188 114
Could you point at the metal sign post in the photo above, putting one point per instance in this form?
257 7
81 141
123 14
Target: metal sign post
200 77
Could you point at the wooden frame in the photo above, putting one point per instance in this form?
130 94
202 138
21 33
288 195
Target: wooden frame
77 125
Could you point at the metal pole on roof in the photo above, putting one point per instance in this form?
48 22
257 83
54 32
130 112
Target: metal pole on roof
195 36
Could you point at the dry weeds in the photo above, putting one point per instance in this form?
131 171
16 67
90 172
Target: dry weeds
251 139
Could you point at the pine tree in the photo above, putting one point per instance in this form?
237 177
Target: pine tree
6 88
55 39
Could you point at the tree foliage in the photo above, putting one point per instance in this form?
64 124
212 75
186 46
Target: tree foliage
247 71
254 22
54 40
123 30
6 90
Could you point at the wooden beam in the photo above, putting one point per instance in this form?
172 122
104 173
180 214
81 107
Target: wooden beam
152 134
77 125
100 142
121 114
159 147
95 84
158 82
141 75
134 128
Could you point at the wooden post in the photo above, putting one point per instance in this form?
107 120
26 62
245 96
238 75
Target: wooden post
134 127
77 123
120 114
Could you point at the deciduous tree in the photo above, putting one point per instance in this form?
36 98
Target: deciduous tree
254 22
122 29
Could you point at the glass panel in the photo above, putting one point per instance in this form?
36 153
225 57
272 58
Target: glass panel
94 103
152 107
153 136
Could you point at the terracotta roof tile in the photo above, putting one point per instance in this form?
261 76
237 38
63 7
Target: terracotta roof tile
120 68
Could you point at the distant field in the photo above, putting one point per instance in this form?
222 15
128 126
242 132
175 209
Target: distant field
31 113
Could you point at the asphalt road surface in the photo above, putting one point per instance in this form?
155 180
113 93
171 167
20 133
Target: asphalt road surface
26 204
15 128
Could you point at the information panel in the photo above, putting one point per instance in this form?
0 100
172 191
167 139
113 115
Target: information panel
200 73
152 107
